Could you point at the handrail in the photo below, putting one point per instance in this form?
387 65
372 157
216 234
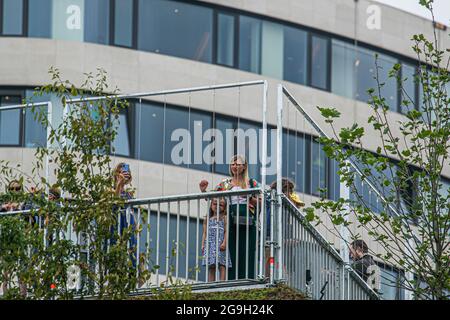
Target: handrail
327 246
194 196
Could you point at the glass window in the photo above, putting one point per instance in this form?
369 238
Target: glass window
249 44
35 132
226 128
390 282
167 27
319 62
191 244
225 39
121 144
367 73
319 168
408 91
123 23
12 17
10 121
149 132
40 18
295 55
182 131
294 159
199 123
343 69
334 184
272 50
248 145
96 17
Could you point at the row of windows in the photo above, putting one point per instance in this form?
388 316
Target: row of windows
214 35
147 131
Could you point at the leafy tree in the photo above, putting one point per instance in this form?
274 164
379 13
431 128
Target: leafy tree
410 220
80 165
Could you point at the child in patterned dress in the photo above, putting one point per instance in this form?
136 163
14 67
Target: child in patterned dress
215 250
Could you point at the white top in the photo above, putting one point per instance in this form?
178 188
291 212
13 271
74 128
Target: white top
238 199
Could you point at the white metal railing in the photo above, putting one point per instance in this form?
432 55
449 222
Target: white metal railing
312 265
170 231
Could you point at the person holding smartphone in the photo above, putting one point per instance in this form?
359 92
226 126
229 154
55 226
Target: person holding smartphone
122 178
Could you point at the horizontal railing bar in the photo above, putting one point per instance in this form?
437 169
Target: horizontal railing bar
13 213
166 199
322 241
24 106
168 92
316 234
193 196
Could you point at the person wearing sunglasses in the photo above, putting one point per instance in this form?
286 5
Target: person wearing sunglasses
13 191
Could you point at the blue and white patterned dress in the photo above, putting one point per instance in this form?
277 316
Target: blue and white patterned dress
214 227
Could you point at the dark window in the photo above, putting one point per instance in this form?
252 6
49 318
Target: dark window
35 133
122 145
294 159
191 244
391 281
249 44
175 28
12 17
366 69
181 148
343 69
40 18
334 184
96 22
10 121
123 22
319 165
149 132
248 145
319 62
295 55
408 89
225 147
225 39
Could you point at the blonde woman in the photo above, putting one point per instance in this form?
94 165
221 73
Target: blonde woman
123 177
239 252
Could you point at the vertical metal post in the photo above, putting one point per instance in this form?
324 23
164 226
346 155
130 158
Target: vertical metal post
344 191
279 173
263 209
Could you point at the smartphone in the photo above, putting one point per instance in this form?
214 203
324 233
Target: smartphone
126 168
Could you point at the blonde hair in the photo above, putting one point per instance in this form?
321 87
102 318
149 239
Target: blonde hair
244 176
117 171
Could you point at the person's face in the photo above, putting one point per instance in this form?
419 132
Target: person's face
126 175
355 254
14 188
222 205
237 167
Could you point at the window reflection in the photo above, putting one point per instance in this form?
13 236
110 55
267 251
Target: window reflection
123 23
96 17
39 18
319 62
295 55
367 75
10 123
161 20
35 133
250 44
225 39
12 17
